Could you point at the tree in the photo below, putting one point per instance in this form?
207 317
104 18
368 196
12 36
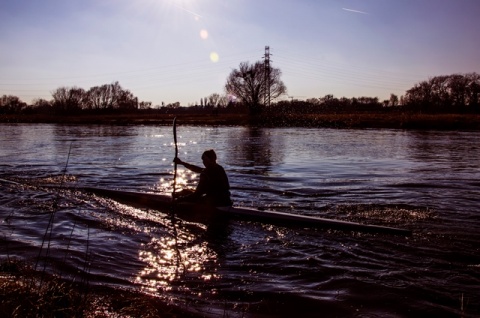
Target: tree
145 105
216 100
67 99
251 84
313 101
393 100
473 91
174 105
11 104
448 93
110 96
41 105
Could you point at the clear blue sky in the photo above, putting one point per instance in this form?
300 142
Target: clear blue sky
183 50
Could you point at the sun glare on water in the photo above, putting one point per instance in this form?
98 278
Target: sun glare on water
168 259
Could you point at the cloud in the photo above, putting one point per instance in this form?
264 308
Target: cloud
355 11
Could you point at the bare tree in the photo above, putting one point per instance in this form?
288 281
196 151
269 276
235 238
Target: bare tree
11 104
111 96
144 105
217 100
393 100
68 99
41 104
213 99
251 84
223 101
446 93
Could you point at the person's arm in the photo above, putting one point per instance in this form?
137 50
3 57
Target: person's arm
190 167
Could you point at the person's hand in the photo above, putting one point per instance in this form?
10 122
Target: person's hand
178 161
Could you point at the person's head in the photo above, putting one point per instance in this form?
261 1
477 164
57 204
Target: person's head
209 158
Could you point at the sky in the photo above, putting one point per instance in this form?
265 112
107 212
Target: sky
166 51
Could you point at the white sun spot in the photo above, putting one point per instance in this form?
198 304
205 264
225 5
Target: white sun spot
204 34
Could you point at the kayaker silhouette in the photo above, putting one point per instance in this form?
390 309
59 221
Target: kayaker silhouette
213 187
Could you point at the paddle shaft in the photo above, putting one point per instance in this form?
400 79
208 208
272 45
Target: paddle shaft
176 155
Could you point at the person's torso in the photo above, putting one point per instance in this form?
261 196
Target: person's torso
216 184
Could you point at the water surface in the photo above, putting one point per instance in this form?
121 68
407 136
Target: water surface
424 181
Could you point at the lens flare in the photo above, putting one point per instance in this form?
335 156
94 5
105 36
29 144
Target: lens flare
204 34
214 57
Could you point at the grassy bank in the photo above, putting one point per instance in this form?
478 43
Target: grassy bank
329 120
378 120
28 293
129 119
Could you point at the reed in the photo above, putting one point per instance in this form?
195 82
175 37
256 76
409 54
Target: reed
397 120
25 292
47 237
29 293
415 121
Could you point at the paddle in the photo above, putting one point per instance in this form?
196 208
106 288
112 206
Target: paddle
175 234
176 155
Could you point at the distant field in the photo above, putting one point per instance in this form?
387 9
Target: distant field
354 120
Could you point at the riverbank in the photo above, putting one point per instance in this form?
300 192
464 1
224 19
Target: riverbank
394 120
29 293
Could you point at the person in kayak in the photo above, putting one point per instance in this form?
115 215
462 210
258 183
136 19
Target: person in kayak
213 187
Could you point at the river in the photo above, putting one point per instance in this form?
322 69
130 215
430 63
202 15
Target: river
424 181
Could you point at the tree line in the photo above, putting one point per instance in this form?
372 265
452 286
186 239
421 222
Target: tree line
455 93
67 100
249 87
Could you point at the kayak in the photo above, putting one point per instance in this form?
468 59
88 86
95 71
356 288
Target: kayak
204 214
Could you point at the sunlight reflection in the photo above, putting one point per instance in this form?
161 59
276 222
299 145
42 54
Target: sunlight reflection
180 144
171 260
123 216
185 180
175 259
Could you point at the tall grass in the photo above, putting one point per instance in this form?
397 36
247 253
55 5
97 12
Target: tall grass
400 120
25 292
